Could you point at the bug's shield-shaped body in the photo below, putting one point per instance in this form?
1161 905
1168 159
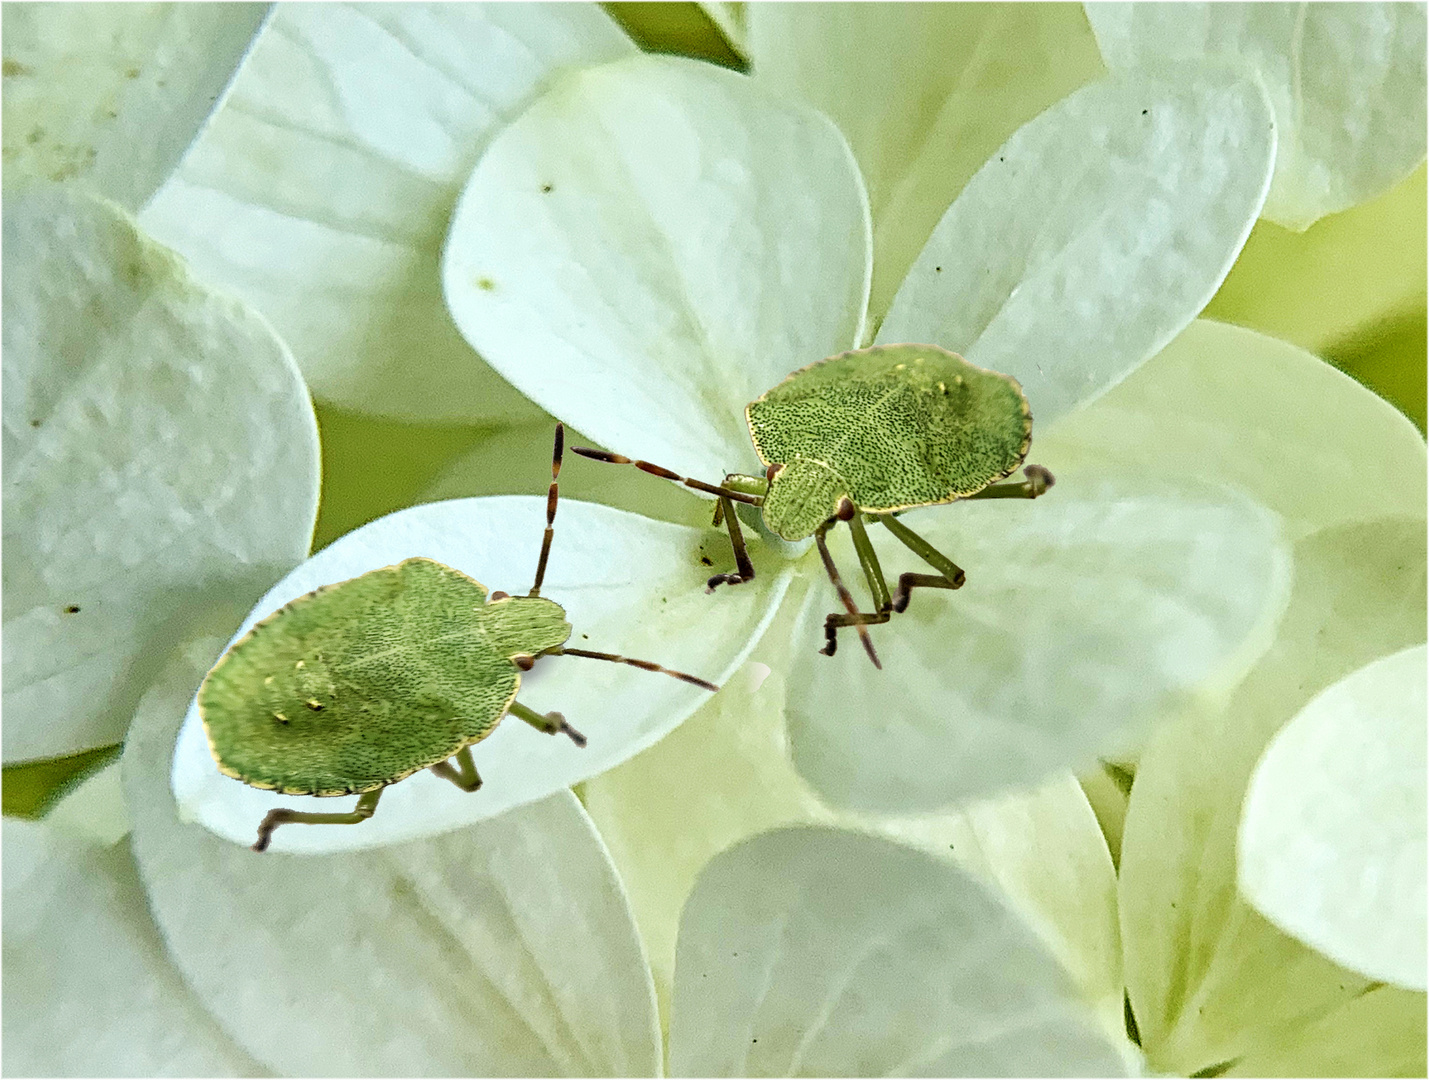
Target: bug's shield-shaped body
890 427
360 684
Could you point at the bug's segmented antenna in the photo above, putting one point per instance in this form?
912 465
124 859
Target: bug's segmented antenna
644 665
556 455
666 474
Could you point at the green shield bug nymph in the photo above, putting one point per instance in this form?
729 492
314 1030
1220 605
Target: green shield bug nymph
358 685
863 436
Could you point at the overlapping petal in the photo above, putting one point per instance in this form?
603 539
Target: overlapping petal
88 989
322 190
654 244
1210 981
111 95
1332 835
821 951
1240 408
1086 616
1347 82
923 92
1095 234
504 949
161 461
629 585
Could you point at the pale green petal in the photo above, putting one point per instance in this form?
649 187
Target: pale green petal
161 460
322 191
1086 615
720 777
1231 405
1210 980
654 244
94 811
823 952
1095 234
1340 277
111 95
725 774
504 949
515 461
1379 1033
88 988
1332 834
923 92
629 585
1346 81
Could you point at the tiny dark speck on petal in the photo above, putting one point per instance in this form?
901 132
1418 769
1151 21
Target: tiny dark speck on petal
546 189
1145 111
1001 158
937 269
34 423
485 284
71 609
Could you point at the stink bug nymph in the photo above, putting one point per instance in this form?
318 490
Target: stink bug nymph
360 684
860 437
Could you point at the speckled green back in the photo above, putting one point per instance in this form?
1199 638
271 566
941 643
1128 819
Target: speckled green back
362 683
902 425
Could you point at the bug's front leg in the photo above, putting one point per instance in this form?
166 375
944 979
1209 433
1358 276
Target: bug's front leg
463 774
744 567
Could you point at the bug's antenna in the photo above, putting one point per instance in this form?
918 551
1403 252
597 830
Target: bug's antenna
666 474
556 456
644 665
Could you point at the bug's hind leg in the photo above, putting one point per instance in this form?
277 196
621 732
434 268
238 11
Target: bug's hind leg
366 807
463 774
552 723
949 576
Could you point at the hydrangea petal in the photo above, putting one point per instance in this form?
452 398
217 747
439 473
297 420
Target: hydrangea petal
1209 979
161 459
1379 1033
113 94
629 585
924 93
504 949
823 952
1243 409
725 775
1346 81
654 244
322 191
1332 837
1086 614
1095 234
88 989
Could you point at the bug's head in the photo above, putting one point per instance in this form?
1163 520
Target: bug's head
527 625
803 494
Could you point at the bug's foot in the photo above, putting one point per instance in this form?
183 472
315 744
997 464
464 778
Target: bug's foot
560 727
724 579
1039 479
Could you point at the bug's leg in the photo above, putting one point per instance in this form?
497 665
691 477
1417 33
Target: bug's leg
552 723
1037 482
830 626
556 456
744 569
463 775
366 807
868 559
643 665
949 576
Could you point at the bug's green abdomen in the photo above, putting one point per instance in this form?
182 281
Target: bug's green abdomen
359 684
903 425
